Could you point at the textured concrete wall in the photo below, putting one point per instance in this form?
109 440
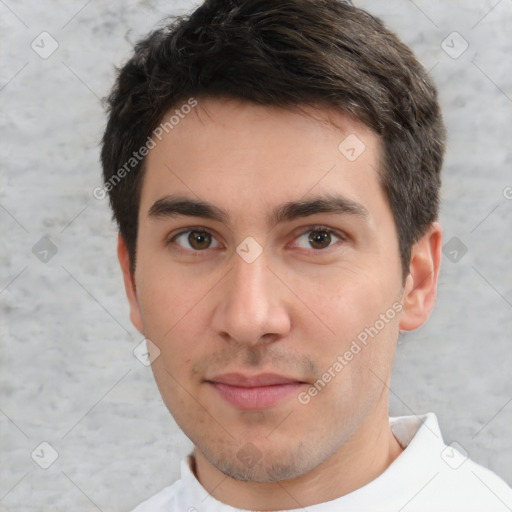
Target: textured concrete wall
68 374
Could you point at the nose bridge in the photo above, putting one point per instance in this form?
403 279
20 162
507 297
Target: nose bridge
249 290
249 307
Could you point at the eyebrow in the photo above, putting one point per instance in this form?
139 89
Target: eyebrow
173 206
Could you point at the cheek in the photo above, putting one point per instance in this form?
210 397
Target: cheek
167 297
343 301
172 319
355 358
173 389
355 328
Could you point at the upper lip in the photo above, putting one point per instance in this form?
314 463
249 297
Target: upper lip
245 381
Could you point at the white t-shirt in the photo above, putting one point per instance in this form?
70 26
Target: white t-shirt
427 476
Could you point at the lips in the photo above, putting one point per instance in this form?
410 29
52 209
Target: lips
261 391
263 379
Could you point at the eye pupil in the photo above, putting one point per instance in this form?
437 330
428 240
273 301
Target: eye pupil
199 239
321 238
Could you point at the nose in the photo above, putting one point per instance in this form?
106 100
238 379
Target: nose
251 307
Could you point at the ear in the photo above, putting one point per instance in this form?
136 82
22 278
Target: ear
129 283
421 284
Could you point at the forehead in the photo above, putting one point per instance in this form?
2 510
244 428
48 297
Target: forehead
240 154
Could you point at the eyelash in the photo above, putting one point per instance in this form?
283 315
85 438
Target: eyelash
325 229
309 229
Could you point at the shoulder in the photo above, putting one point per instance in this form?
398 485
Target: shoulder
183 495
467 488
441 477
163 501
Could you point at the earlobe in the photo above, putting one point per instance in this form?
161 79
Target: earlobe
129 283
421 284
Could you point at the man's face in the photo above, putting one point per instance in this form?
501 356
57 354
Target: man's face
251 308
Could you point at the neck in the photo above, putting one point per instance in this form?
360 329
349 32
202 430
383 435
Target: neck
366 455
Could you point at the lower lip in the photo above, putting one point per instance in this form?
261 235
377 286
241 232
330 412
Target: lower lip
262 397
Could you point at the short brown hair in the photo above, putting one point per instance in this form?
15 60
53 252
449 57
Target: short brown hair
285 53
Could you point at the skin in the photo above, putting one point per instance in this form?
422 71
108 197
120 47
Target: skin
292 311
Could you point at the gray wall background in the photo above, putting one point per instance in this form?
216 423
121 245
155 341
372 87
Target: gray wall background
68 374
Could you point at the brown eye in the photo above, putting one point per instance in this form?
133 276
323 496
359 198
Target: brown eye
199 240
319 239
194 240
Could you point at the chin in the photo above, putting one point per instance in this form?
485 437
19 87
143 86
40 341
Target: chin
250 464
